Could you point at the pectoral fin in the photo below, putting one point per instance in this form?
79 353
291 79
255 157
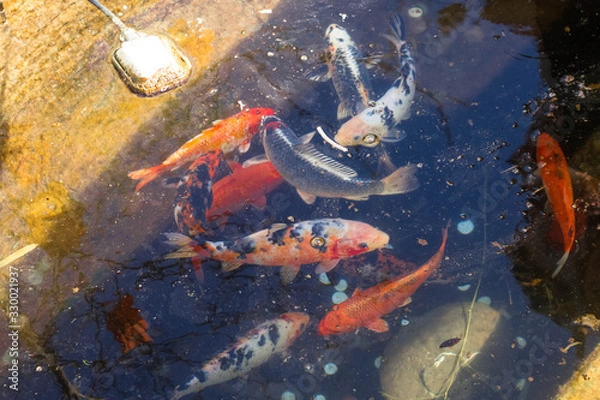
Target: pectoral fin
277 227
393 136
406 302
307 197
377 325
320 74
244 147
307 137
255 160
343 112
260 202
230 265
326 266
288 273
357 198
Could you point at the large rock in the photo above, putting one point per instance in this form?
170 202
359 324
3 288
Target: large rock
415 367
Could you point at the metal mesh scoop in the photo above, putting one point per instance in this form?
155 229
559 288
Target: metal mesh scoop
148 64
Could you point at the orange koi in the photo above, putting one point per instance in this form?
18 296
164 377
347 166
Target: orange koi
557 182
248 185
365 309
225 135
322 241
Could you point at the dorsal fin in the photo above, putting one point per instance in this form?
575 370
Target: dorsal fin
277 227
310 153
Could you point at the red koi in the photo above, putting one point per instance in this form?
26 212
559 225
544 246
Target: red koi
225 135
322 241
248 185
557 182
365 309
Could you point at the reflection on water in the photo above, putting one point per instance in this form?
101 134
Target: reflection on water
104 313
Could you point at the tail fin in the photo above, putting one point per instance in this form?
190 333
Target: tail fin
560 264
147 175
188 247
403 180
399 36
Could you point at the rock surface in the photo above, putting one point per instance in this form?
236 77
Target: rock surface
414 365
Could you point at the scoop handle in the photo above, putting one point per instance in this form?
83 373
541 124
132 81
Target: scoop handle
109 14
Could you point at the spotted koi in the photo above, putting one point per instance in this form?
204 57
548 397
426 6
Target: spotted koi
195 195
323 241
376 123
254 349
348 72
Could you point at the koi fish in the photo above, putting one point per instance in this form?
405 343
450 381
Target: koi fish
248 185
323 241
254 349
365 309
347 69
557 181
376 123
225 135
195 195
314 173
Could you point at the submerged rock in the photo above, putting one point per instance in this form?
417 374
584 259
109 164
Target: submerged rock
421 361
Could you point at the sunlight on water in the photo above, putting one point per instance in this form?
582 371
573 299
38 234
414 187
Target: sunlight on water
116 301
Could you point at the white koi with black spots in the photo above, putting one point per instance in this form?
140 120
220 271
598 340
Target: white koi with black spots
254 349
348 72
376 123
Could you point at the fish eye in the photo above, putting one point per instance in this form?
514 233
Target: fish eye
379 110
371 139
334 308
317 242
371 103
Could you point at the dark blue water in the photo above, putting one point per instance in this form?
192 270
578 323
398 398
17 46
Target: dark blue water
467 124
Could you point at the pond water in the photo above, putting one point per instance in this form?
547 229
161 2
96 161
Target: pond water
490 77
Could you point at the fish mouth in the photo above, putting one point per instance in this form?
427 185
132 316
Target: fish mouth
362 240
323 330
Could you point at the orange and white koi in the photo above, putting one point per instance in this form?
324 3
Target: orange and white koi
249 185
254 349
322 241
365 309
225 135
376 123
557 182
